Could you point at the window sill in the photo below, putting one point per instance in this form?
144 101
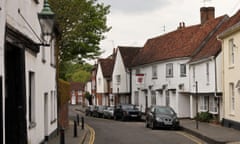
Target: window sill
232 114
231 67
32 125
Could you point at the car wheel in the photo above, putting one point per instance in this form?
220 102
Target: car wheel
153 125
122 118
115 117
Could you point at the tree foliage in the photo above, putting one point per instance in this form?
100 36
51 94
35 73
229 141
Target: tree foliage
81 24
75 72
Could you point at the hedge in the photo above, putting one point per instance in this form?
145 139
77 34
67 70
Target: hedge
63 91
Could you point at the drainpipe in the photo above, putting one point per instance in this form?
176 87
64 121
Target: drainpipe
130 84
216 86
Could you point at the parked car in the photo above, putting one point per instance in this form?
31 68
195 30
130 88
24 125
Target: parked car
108 113
126 111
161 116
89 110
98 112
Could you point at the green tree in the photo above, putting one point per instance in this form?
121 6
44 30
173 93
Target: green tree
81 24
75 72
88 96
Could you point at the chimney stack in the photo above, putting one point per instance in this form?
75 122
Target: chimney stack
207 13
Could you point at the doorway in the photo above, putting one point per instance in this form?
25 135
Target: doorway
15 95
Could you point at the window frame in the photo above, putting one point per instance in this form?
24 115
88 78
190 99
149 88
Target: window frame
183 70
231 52
169 70
232 97
154 72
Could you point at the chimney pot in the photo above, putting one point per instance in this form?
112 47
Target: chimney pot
207 13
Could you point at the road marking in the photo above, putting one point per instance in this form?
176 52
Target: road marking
92 134
191 137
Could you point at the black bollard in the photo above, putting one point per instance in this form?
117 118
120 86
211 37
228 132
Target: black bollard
62 137
82 122
78 119
75 129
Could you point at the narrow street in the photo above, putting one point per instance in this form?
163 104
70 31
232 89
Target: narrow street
131 132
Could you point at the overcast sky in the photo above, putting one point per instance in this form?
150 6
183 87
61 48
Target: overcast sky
135 21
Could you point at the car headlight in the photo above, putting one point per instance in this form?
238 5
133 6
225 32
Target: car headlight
159 119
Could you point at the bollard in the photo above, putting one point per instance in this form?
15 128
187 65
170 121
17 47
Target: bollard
78 119
82 122
62 137
75 129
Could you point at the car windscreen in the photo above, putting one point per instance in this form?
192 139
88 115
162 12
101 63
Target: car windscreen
128 107
162 110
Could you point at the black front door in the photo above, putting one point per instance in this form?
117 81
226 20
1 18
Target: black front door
15 99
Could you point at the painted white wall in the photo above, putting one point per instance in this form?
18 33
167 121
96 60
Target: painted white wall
2 34
101 82
45 81
178 101
119 69
205 85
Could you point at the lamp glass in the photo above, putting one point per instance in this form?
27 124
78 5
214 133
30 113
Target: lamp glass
46 19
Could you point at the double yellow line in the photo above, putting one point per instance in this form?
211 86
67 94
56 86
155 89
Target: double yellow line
191 137
92 134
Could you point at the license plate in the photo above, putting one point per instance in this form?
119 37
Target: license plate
168 123
133 115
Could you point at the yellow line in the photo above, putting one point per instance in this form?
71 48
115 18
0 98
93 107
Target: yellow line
92 134
196 140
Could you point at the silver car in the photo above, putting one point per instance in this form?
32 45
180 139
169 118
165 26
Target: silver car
109 112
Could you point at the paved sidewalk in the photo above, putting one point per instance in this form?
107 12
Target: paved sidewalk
211 133
69 135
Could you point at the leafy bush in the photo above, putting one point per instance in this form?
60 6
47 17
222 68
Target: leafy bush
204 116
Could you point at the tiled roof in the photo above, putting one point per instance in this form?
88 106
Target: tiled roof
128 53
107 66
182 42
213 46
77 86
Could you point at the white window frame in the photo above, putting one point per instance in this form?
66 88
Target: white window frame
154 72
231 52
203 103
213 105
232 97
207 73
169 70
194 74
52 53
136 98
183 70
32 98
153 98
118 79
